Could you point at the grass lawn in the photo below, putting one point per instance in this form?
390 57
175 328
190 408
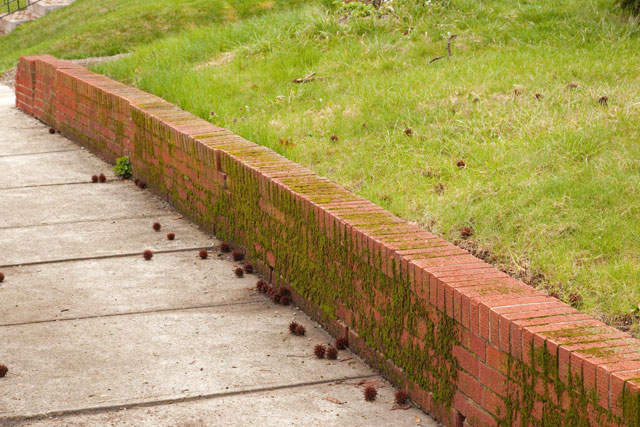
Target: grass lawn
89 28
551 172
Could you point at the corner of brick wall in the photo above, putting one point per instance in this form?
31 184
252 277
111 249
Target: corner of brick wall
471 345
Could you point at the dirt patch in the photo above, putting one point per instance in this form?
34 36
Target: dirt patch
87 62
8 78
221 59
520 271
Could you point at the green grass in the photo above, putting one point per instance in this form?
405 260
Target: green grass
550 185
90 28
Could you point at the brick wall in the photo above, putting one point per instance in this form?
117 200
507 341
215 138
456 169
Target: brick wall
472 345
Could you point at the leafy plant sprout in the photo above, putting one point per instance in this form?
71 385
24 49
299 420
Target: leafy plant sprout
123 167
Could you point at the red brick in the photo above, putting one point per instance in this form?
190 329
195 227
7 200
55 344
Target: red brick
483 312
466 360
618 381
470 386
460 402
476 416
493 404
493 379
497 359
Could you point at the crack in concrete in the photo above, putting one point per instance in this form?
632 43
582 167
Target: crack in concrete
81 221
14 421
54 185
41 152
132 313
128 254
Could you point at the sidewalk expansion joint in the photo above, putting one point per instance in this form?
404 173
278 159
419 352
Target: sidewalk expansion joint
84 221
38 153
133 313
91 258
54 184
160 402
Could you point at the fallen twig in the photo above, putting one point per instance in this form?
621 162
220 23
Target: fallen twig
451 37
333 400
306 79
401 407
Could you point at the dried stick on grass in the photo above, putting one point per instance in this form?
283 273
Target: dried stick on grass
451 37
308 78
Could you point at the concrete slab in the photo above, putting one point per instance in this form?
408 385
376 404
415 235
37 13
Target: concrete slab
122 360
300 406
96 239
87 202
107 287
51 168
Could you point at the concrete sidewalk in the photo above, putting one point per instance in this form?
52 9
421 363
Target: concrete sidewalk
93 334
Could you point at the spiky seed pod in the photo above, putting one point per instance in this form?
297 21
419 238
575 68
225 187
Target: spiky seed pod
461 164
267 289
147 254
239 272
248 268
136 181
332 353
102 178
285 300
275 297
52 131
237 255
319 351
301 330
334 137
142 185
401 397
284 292
370 393
225 247
94 178
203 254
341 343
466 232
603 100
1 277
3 371
293 326
260 286
408 131
171 236
539 96
157 226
